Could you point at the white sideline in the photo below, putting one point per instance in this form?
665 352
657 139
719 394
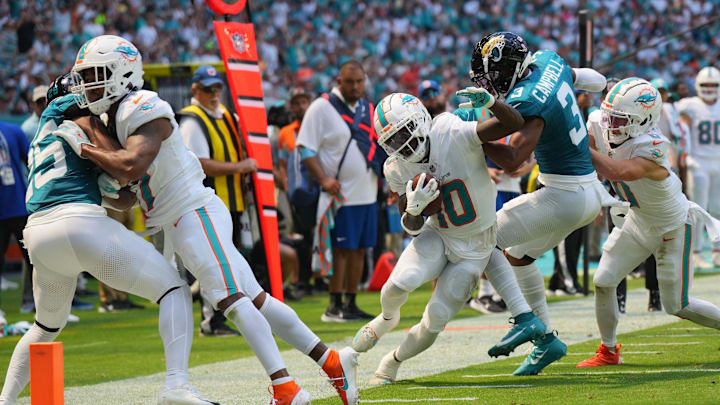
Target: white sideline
242 381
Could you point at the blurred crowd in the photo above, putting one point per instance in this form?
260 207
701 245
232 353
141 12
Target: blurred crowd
399 42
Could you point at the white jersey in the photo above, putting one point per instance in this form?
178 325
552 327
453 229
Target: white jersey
457 161
704 127
659 206
172 184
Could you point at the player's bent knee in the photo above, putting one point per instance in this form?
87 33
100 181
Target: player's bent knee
672 306
438 315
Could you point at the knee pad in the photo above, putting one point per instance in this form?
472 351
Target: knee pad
460 284
437 315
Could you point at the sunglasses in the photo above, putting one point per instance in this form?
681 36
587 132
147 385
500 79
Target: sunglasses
211 89
429 93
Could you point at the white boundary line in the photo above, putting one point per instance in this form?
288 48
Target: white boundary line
622 352
449 387
662 344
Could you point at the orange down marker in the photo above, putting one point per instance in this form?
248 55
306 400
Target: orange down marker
46 374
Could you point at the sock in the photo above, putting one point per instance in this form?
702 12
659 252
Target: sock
176 330
350 300
256 331
281 380
286 325
500 274
532 286
701 312
18 372
392 299
417 340
485 287
323 358
607 314
336 300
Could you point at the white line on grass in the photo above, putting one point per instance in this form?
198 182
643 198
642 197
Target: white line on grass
688 328
585 373
82 346
449 387
662 344
624 352
379 401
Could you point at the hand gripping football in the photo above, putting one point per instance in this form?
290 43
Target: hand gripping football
435 205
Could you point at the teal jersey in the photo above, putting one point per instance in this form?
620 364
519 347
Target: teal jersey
57 175
547 92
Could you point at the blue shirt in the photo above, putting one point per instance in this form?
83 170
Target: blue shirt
13 153
547 92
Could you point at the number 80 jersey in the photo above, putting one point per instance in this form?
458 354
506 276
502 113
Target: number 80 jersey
704 128
547 92
57 175
457 162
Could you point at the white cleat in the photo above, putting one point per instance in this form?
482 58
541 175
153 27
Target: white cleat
183 395
386 372
6 284
701 263
349 363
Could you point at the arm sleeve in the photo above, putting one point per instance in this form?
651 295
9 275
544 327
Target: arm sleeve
139 109
463 132
193 137
589 80
391 169
654 148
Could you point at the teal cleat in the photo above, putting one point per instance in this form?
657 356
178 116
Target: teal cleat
527 327
547 349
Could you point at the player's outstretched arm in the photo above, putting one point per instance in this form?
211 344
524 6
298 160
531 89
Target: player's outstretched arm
588 80
505 121
627 170
142 146
511 157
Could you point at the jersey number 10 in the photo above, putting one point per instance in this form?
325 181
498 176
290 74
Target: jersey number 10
451 192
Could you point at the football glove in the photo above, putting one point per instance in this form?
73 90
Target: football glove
478 96
109 187
421 196
73 135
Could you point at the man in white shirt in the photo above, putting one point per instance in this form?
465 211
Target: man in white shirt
324 137
39 99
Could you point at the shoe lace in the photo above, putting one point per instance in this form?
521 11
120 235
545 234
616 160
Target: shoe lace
336 382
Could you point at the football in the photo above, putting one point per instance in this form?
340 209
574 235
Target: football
436 204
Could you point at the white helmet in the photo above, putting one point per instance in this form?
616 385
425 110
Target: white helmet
631 108
117 67
399 120
708 75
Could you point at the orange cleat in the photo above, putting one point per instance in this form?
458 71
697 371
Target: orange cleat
289 393
341 368
603 358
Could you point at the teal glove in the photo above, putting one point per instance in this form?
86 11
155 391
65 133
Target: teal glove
73 135
479 97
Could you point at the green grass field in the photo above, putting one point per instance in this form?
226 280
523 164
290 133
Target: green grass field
113 346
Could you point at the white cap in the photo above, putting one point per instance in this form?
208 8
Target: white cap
39 92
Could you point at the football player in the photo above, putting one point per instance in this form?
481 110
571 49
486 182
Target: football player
541 87
633 154
68 232
702 114
168 182
454 245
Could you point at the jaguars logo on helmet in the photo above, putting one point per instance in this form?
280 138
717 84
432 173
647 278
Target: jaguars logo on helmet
498 61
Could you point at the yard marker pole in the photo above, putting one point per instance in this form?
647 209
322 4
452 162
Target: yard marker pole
585 28
46 374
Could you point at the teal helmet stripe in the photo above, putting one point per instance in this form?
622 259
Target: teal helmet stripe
618 86
381 115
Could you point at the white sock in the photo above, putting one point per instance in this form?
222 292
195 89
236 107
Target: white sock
500 274
176 330
416 341
287 325
256 331
485 286
18 372
701 312
381 326
323 358
607 314
392 299
281 380
532 286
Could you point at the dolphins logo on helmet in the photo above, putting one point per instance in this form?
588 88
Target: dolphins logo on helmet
647 97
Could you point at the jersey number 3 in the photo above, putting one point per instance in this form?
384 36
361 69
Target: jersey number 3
565 97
